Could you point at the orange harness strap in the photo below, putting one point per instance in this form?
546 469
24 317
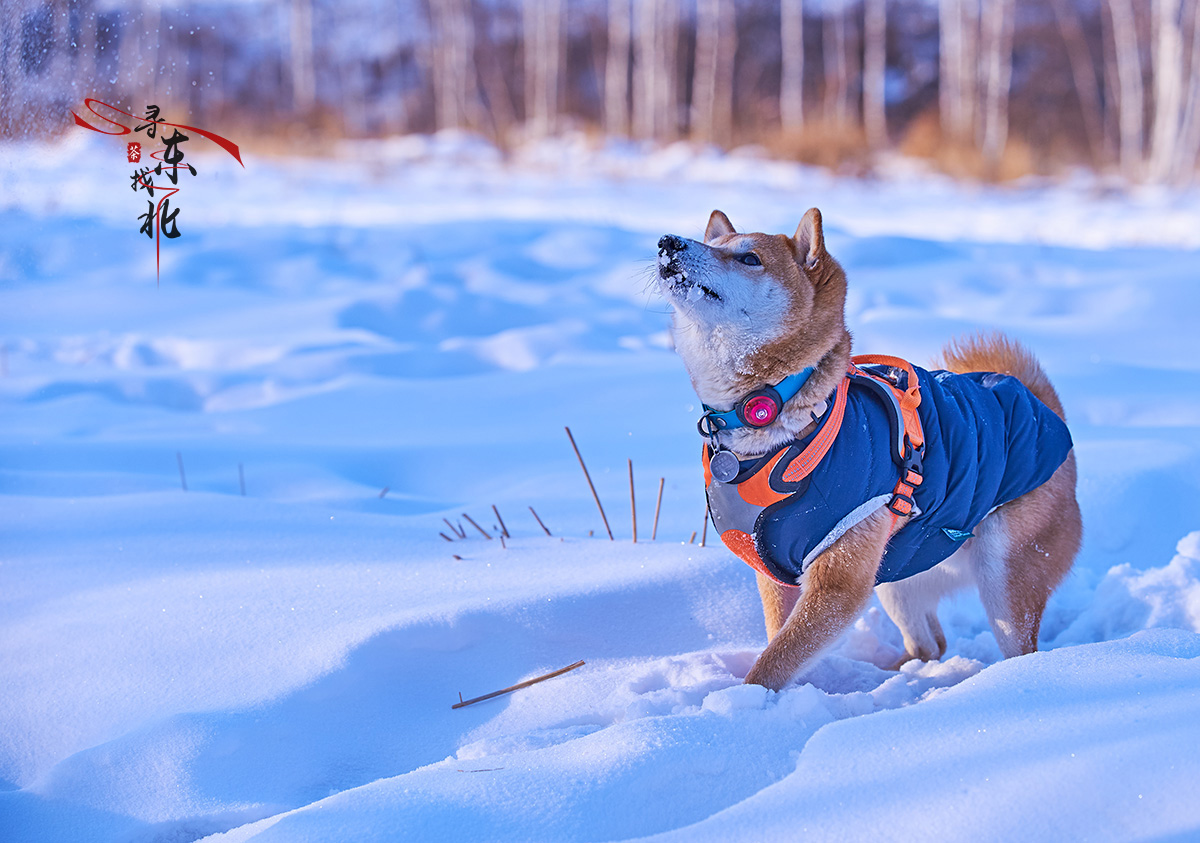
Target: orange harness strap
756 489
909 400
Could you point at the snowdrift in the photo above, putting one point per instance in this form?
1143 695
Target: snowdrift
343 353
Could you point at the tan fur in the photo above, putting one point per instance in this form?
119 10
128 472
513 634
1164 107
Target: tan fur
1020 552
778 602
1044 526
835 590
997 353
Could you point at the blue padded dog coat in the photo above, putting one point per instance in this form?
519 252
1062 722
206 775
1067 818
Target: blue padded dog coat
988 440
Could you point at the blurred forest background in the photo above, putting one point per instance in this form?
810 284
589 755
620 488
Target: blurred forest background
984 88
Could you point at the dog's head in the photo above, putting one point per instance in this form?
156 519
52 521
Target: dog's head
751 309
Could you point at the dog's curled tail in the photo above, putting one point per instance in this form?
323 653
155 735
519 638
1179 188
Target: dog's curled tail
997 353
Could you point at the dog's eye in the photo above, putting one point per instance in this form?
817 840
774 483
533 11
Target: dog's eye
750 259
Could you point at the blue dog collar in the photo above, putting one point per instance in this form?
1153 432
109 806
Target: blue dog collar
756 402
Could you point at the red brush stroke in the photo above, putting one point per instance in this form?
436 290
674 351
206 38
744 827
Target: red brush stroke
225 144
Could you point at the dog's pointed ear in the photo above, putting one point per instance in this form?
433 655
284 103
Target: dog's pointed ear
718 226
810 239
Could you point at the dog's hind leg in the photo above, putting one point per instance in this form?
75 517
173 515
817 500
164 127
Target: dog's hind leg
835 589
912 604
1023 551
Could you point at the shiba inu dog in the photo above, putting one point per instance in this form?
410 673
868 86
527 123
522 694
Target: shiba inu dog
833 475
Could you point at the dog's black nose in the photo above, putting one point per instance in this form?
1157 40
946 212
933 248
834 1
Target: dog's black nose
670 244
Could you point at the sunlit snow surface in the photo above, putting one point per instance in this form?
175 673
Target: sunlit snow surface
424 317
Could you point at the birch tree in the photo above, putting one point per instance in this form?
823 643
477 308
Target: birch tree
1185 167
656 77
304 82
791 80
544 48
997 40
712 75
874 72
455 76
666 51
834 48
1131 93
645 67
958 30
616 73
1167 53
1083 75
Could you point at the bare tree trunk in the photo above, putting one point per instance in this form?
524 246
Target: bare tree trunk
616 74
1189 145
968 60
499 98
712 76
645 67
85 48
727 43
555 62
998 45
949 43
704 68
354 97
1112 85
666 94
834 47
304 84
1131 98
448 111
791 80
875 72
543 61
150 41
1083 73
1167 53
958 28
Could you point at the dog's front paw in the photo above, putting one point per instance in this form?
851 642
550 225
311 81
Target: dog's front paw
765 675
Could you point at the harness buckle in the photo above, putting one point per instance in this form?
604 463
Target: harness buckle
911 476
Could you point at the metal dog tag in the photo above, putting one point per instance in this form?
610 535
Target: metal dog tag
724 466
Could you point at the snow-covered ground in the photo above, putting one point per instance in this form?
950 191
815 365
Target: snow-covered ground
422 317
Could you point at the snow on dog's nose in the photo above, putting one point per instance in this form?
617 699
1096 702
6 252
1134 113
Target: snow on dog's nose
669 244
669 249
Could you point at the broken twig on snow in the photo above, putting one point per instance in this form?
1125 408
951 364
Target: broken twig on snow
520 685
